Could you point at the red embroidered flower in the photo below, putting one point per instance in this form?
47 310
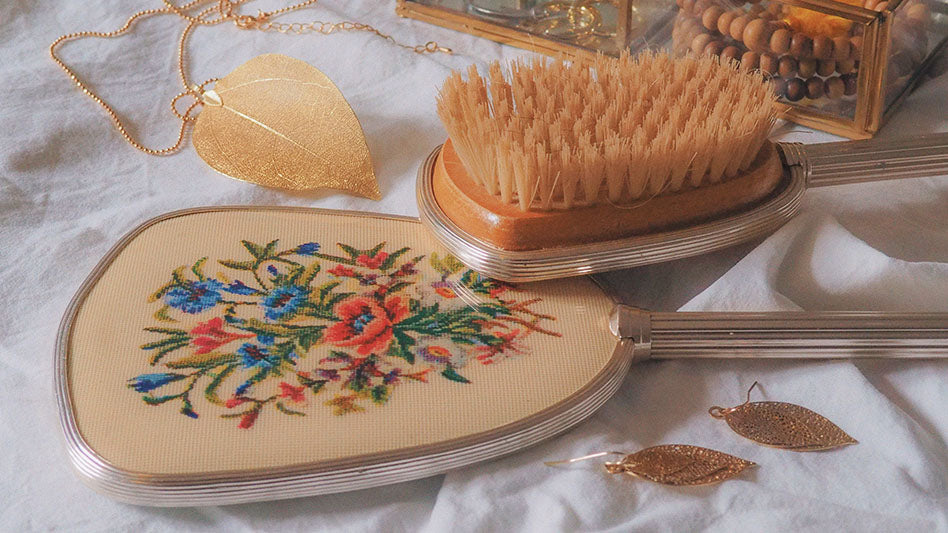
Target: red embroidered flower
372 262
216 336
246 421
342 271
446 292
506 346
234 401
365 323
293 393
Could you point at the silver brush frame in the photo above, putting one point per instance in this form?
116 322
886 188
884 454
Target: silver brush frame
806 166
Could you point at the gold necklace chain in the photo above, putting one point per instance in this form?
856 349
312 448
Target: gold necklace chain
210 13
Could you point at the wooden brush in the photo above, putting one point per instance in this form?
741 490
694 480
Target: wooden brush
546 153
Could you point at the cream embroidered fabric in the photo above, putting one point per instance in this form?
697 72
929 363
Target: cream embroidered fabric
405 347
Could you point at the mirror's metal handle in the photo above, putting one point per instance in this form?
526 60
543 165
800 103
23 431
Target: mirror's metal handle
839 163
793 335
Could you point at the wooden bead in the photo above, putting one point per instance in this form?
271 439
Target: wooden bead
699 42
826 67
687 6
750 61
849 84
856 42
713 48
869 4
725 20
796 89
710 17
834 88
881 6
801 46
814 88
768 64
841 48
787 66
737 27
845 67
780 41
807 67
780 87
822 47
699 7
731 53
757 34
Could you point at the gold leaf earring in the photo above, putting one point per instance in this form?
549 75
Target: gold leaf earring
782 425
673 464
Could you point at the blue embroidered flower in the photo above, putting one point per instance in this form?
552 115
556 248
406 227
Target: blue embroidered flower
253 356
238 287
272 270
195 297
309 248
150 382
283 301
266 340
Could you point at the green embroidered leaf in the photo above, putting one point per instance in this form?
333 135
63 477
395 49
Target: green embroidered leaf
238 265
308 274
196 268
451 374
164 347
353 253
162 314
211 391
152 400
325 289
390 260
168 331
420 314
286 410
399 286
255 249
344 404
447 265
178 276
270 249
210 359
378 248
380 394
309 337
400 346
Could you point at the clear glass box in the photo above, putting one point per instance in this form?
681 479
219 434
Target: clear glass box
838 66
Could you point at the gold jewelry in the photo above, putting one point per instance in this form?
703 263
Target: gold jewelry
782 425
673 464
209 13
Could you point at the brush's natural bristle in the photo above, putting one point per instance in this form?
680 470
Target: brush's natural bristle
552 135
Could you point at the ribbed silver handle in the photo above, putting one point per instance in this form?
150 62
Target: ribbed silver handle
839 163
793 335
799 335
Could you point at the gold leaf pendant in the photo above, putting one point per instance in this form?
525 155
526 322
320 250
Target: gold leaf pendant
782 425
674 464
279 122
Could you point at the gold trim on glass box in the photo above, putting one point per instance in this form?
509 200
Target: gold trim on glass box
870 106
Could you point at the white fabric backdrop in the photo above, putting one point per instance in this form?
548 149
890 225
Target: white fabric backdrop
70 187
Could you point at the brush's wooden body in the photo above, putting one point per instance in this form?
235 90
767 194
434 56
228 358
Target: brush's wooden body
505 226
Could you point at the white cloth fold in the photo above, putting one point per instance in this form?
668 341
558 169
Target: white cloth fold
70 187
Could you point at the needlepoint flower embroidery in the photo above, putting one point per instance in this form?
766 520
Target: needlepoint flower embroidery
346 329
195 296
